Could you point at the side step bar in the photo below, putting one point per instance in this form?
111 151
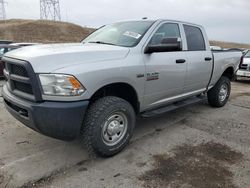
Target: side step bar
173 106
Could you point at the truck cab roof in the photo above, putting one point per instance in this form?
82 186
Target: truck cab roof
164 20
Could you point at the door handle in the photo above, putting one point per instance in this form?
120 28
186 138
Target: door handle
208 58
180 61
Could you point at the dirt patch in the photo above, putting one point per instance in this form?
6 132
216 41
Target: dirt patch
204 166
241 100
141 164
1 163
82 169
23 142
1 179
236 95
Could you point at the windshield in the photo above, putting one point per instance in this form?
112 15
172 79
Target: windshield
247 54
126 34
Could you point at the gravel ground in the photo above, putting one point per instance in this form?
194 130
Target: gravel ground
197 146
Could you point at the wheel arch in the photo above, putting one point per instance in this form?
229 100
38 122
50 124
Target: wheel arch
229 73
119 89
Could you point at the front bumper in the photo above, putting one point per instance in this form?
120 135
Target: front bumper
60 120
243 73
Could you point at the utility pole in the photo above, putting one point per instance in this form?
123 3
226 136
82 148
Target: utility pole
2 10
50 10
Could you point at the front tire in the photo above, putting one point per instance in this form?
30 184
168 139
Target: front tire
108 126
219 94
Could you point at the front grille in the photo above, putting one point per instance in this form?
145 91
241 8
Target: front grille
26 88
18 70
20 84
22 80
243 67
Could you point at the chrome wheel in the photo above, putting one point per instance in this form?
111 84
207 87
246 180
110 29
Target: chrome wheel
223 92
114 128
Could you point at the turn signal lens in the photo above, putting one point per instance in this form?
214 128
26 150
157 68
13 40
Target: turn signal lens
74 82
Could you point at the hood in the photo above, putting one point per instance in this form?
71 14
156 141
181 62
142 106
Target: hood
48 58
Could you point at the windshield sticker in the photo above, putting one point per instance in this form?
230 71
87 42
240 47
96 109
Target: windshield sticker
132 34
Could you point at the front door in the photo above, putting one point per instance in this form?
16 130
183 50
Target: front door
165 71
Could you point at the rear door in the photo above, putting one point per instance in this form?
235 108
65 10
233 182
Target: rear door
199 59
165 76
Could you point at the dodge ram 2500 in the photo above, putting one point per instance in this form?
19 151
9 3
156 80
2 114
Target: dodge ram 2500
95 89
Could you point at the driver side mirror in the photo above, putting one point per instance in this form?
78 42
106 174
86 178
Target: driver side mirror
167 45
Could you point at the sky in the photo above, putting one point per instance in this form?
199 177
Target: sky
224 20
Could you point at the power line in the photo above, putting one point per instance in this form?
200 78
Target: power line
50 10
2 10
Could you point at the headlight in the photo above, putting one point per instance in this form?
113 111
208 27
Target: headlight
61 85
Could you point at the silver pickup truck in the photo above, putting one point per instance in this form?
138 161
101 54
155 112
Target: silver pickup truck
95 89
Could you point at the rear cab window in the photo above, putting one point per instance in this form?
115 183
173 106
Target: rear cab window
195 38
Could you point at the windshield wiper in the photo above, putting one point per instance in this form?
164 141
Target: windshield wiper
101 42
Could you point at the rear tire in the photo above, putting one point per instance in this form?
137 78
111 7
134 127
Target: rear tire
219 94
108 126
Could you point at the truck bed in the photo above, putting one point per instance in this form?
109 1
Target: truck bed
222 59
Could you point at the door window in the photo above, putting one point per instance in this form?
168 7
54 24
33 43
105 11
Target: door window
195 39
168 30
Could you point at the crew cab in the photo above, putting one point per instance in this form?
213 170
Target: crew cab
96 88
